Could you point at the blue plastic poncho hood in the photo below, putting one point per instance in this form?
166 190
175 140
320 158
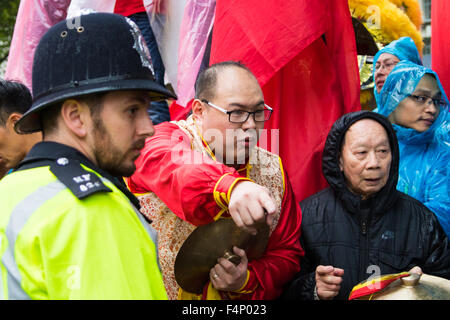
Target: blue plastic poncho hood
404 49
400 83
424 156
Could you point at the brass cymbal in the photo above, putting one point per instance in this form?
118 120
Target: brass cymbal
414 287
207 243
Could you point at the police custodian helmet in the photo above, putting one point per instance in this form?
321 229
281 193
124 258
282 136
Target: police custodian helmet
96 52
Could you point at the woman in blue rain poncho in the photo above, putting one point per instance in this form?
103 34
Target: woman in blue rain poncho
415 102
386 59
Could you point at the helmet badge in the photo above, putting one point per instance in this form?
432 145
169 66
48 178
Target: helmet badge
140 46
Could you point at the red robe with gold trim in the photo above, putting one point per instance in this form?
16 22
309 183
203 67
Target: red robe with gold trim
196 189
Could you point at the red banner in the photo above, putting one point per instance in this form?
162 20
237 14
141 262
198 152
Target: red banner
440 41
304 55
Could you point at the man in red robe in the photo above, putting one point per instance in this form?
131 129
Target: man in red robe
208 167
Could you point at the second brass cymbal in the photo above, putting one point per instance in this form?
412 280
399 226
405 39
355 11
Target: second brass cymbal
414 287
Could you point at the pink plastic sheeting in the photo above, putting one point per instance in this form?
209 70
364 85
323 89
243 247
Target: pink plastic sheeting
181 28
197 22
97 5
34 18
166 25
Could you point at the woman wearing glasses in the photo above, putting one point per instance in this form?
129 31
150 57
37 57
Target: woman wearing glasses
415 103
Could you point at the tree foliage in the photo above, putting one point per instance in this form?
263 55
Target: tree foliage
8 13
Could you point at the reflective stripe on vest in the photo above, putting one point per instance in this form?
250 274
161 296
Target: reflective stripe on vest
2 289
150 231
19 217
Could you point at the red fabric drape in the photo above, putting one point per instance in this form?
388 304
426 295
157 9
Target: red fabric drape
178 112
303 53
440 41
129 7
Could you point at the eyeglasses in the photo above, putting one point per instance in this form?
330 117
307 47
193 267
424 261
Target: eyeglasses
241 116
388 65
422 100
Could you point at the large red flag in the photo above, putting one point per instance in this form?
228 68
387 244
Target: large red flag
440 41
303 53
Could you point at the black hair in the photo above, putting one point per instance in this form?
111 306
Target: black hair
14 97
206 82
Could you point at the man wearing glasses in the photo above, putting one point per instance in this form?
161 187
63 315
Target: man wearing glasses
208 167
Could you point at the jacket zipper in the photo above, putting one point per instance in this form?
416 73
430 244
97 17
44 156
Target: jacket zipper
364 227
364 248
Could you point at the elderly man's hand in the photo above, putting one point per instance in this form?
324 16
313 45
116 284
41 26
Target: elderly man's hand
251 204
416 269
226 276
328 281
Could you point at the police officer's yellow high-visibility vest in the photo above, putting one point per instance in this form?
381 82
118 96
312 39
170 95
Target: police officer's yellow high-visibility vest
54 245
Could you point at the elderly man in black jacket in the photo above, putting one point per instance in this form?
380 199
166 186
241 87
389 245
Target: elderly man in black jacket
361 225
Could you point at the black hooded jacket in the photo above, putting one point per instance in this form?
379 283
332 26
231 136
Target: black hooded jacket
388 233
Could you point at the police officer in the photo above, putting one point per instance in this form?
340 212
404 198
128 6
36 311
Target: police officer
69 229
